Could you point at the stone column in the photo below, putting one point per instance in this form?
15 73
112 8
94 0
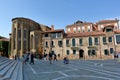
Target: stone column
22 39
33 42
16 39
12 40
30 41
27 40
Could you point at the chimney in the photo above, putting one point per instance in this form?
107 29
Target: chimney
52 27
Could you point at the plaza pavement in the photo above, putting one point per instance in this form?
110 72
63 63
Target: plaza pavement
76 70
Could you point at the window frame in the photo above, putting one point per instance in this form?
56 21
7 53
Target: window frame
90 41
73 42
110 39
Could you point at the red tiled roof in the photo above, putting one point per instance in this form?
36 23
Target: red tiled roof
106 21
53 31
84 23
110 26
4 39
84 34
117 31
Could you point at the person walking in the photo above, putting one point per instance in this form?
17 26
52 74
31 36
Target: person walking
55 57
66 60
32 58
119 57
24 58
50 57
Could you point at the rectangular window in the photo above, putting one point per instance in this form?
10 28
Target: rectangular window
81 42
109 30
96 41
83 30
106 52
60 43
67 43
88 30
46 35
68 52
74 51
53 52
53 35
91 53
46 44
90 41
52 44
111 50
59 34
104 39
118 39
110 39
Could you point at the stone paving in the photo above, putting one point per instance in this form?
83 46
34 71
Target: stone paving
76 70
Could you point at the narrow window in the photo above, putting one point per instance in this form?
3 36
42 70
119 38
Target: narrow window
67 42
73 42
111 50
74 51
90 41
60 43
80 42
67 52
96 41
110 39
104 39
106 52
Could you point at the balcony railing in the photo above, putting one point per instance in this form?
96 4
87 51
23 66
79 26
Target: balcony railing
93 47
67 45
75 48
105 43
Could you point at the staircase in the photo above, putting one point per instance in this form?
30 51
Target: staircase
10 69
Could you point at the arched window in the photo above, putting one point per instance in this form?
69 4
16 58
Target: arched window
90 41
73 42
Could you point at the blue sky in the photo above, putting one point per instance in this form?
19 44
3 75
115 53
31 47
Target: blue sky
56 12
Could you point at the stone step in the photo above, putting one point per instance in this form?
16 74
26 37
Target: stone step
20 73
14 75
4 65
3 59
10 72
3 62
3 71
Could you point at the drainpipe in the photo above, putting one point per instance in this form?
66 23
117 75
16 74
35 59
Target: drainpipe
114 44
100 48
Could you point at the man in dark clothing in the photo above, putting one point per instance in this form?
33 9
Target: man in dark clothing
50 57
55 57
66 60
32 58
